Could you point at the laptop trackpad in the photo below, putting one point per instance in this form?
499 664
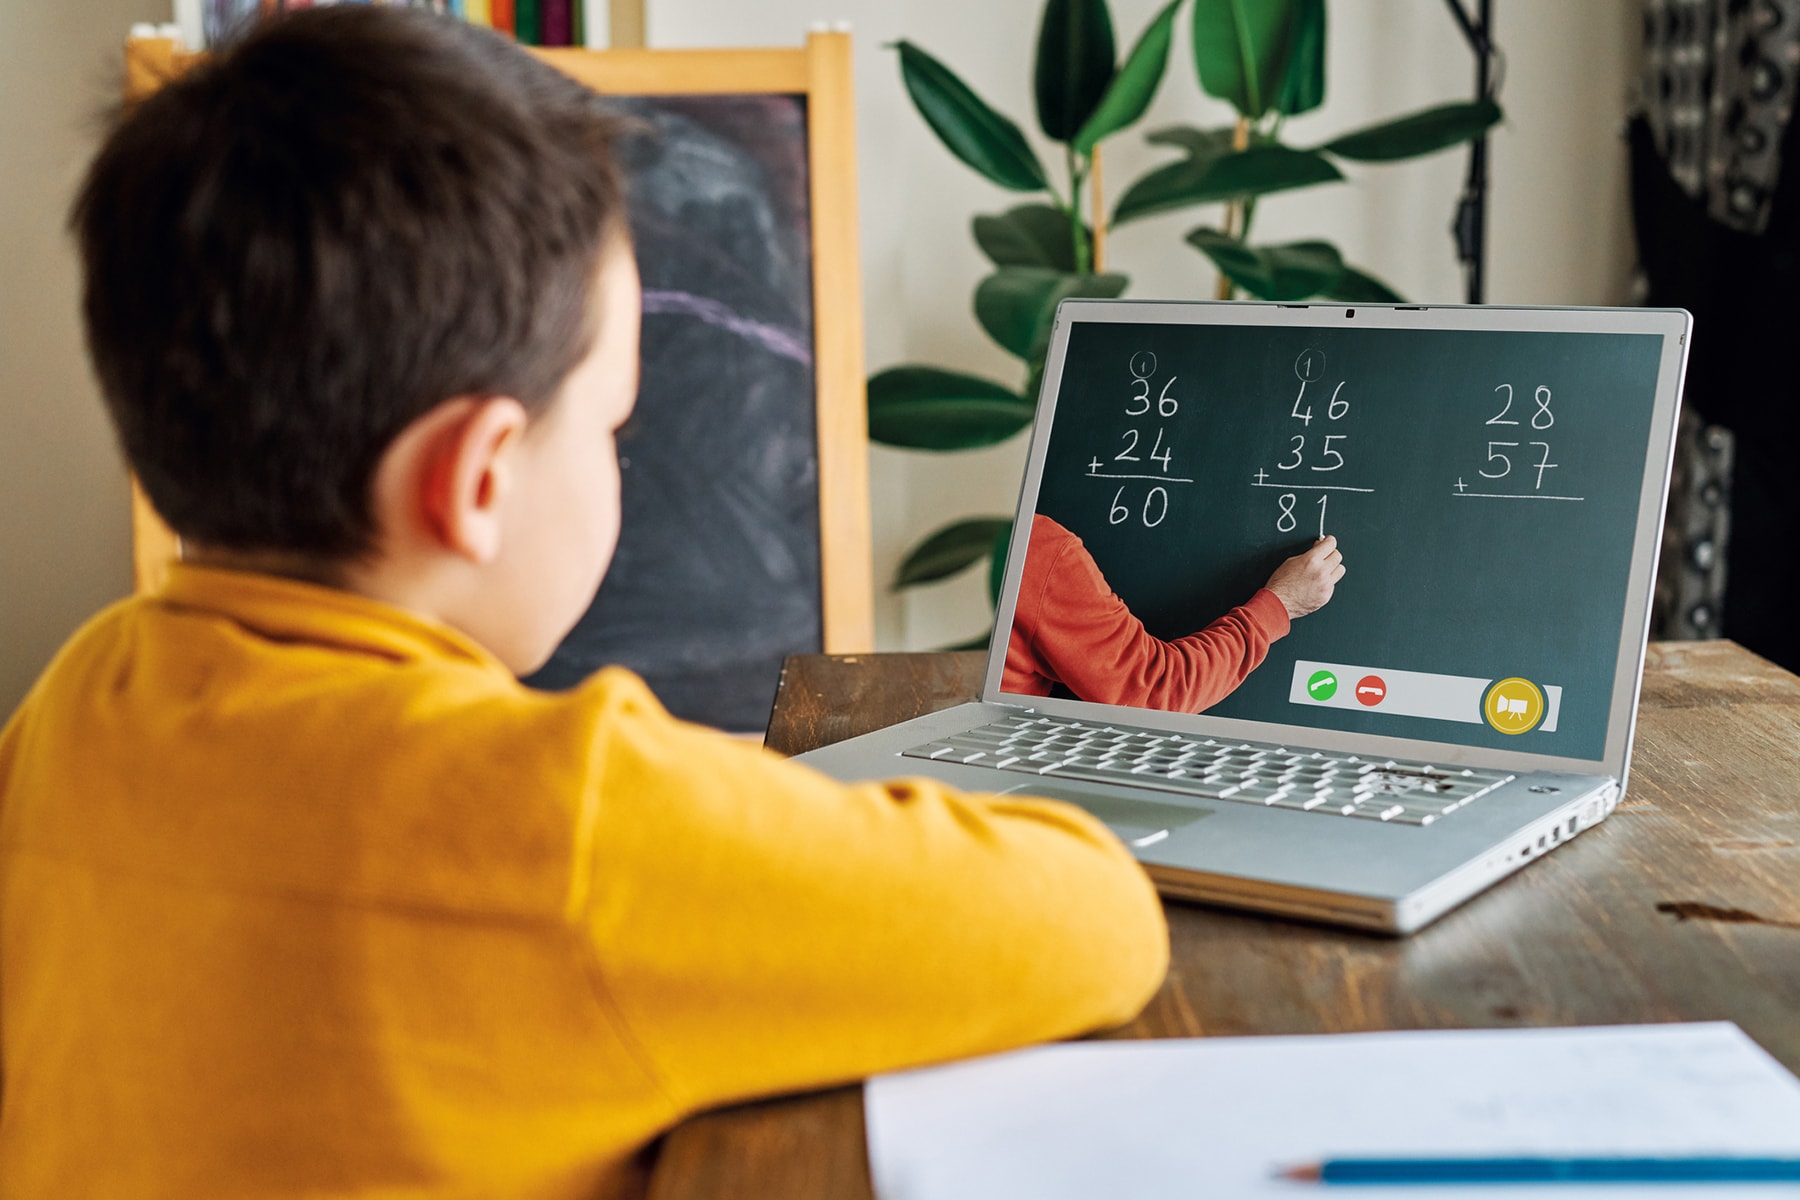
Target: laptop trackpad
1140 824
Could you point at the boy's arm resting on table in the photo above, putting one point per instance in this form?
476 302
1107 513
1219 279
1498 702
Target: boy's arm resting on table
761 928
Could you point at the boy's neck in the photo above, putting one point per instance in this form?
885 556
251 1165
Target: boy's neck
417 585
300 567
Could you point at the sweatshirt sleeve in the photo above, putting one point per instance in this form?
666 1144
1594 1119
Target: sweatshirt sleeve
1100 651
759 927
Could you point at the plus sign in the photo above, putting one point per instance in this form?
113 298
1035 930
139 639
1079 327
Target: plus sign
1261 475
1461 486
1094 467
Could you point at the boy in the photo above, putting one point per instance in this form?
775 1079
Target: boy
300 891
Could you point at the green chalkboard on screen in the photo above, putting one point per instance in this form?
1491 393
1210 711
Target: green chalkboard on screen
1483 486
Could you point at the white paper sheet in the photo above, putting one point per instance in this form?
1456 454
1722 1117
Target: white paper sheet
1217 1117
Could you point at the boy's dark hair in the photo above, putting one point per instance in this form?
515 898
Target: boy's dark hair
316 235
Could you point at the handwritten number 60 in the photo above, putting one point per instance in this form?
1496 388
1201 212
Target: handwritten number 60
1157 499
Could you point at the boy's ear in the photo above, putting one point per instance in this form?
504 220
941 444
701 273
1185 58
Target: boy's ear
467 472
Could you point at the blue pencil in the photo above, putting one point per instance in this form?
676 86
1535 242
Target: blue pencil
1549 1170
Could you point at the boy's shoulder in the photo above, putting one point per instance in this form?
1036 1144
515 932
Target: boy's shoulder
242 731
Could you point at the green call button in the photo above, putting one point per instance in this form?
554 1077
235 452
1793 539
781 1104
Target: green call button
1322 685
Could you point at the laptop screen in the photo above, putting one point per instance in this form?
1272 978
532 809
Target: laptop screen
1485 487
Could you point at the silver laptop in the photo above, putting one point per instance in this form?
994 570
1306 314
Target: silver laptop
1495 478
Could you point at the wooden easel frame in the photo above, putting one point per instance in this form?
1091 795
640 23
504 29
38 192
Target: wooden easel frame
820 71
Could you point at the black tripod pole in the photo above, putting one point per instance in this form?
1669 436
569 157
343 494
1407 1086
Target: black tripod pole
1470 226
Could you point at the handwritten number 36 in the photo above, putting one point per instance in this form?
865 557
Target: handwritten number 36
1166 405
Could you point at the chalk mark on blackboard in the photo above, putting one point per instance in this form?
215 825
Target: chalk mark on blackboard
1509 496
770 338
1310 487
1157 478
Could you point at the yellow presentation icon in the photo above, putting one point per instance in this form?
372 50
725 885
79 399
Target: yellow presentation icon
1513 705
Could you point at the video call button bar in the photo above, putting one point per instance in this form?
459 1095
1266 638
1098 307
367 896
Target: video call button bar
1403 693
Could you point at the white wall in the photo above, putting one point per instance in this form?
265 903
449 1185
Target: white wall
1558 234
64 514
1558 225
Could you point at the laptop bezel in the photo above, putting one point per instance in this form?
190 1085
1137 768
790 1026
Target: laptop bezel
1672 325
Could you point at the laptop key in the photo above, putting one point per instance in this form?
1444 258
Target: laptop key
1378 812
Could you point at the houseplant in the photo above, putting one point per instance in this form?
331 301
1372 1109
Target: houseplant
1264 57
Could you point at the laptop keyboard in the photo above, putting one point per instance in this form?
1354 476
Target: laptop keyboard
1403 793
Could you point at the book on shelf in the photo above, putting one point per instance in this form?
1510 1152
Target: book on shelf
558 19
532 22
528 22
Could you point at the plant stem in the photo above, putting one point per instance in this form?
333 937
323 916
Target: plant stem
1077 236
1098 201
1237 209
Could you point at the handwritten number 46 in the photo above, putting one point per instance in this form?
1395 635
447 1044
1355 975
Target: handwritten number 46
1335 410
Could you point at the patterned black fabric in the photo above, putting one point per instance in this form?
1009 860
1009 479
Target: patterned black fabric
1720 78
1744 375
1690 576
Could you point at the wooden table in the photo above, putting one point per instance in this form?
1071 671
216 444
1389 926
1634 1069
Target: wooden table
1683 906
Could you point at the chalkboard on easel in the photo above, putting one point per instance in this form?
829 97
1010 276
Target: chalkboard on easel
746 526
717 575
1483 486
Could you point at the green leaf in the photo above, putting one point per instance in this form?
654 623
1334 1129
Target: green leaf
1075 55
1423 132
975 133
1253 172
997 563
926 408
1016 304
951 549
1242 49
1031 235
1303 86
1292 271
1199 143
1135 85
1358 287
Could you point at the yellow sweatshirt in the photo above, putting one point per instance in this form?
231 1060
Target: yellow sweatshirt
301 894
